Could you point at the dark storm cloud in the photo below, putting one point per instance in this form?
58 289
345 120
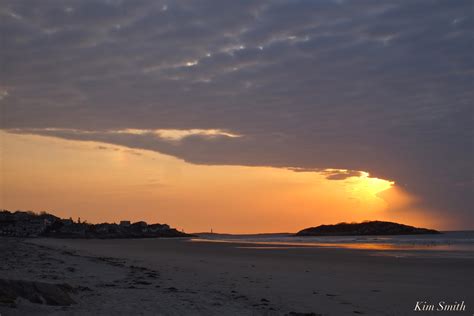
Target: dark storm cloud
356 85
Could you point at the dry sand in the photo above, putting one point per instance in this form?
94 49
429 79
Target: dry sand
179 277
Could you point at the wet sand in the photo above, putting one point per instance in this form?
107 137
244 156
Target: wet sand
180 277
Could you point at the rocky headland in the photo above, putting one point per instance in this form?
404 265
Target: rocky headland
30 224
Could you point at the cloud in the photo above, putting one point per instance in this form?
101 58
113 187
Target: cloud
133 152
333 174
176 135
170 135
355 85
3 94
338 175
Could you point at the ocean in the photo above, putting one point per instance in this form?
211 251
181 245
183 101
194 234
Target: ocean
450 243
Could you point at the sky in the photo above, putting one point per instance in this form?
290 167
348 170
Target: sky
243 116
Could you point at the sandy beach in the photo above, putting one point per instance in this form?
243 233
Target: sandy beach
183 277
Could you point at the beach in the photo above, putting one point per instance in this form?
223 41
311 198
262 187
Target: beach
189 277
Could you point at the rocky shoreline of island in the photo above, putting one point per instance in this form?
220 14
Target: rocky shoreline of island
365 229
28 224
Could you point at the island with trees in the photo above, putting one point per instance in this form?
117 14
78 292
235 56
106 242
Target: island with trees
365 228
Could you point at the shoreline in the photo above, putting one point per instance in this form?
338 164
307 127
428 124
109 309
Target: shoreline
447 249
225 279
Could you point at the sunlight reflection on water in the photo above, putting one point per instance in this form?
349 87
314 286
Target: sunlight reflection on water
446 245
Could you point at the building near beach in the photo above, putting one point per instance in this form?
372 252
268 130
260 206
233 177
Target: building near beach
125 223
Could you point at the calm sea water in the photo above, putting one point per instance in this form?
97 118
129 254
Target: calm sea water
455 243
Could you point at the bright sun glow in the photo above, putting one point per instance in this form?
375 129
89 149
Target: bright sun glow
367 187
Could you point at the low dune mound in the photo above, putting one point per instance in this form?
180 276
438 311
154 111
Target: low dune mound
35 292
365 228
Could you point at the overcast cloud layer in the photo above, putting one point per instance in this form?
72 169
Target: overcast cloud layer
385 87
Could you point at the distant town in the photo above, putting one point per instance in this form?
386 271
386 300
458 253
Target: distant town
30 224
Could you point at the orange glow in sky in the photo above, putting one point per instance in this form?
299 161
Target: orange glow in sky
106 183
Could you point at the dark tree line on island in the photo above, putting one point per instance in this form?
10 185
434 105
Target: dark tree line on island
30 224
365 228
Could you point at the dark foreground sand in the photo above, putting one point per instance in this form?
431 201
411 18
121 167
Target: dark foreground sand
179 277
